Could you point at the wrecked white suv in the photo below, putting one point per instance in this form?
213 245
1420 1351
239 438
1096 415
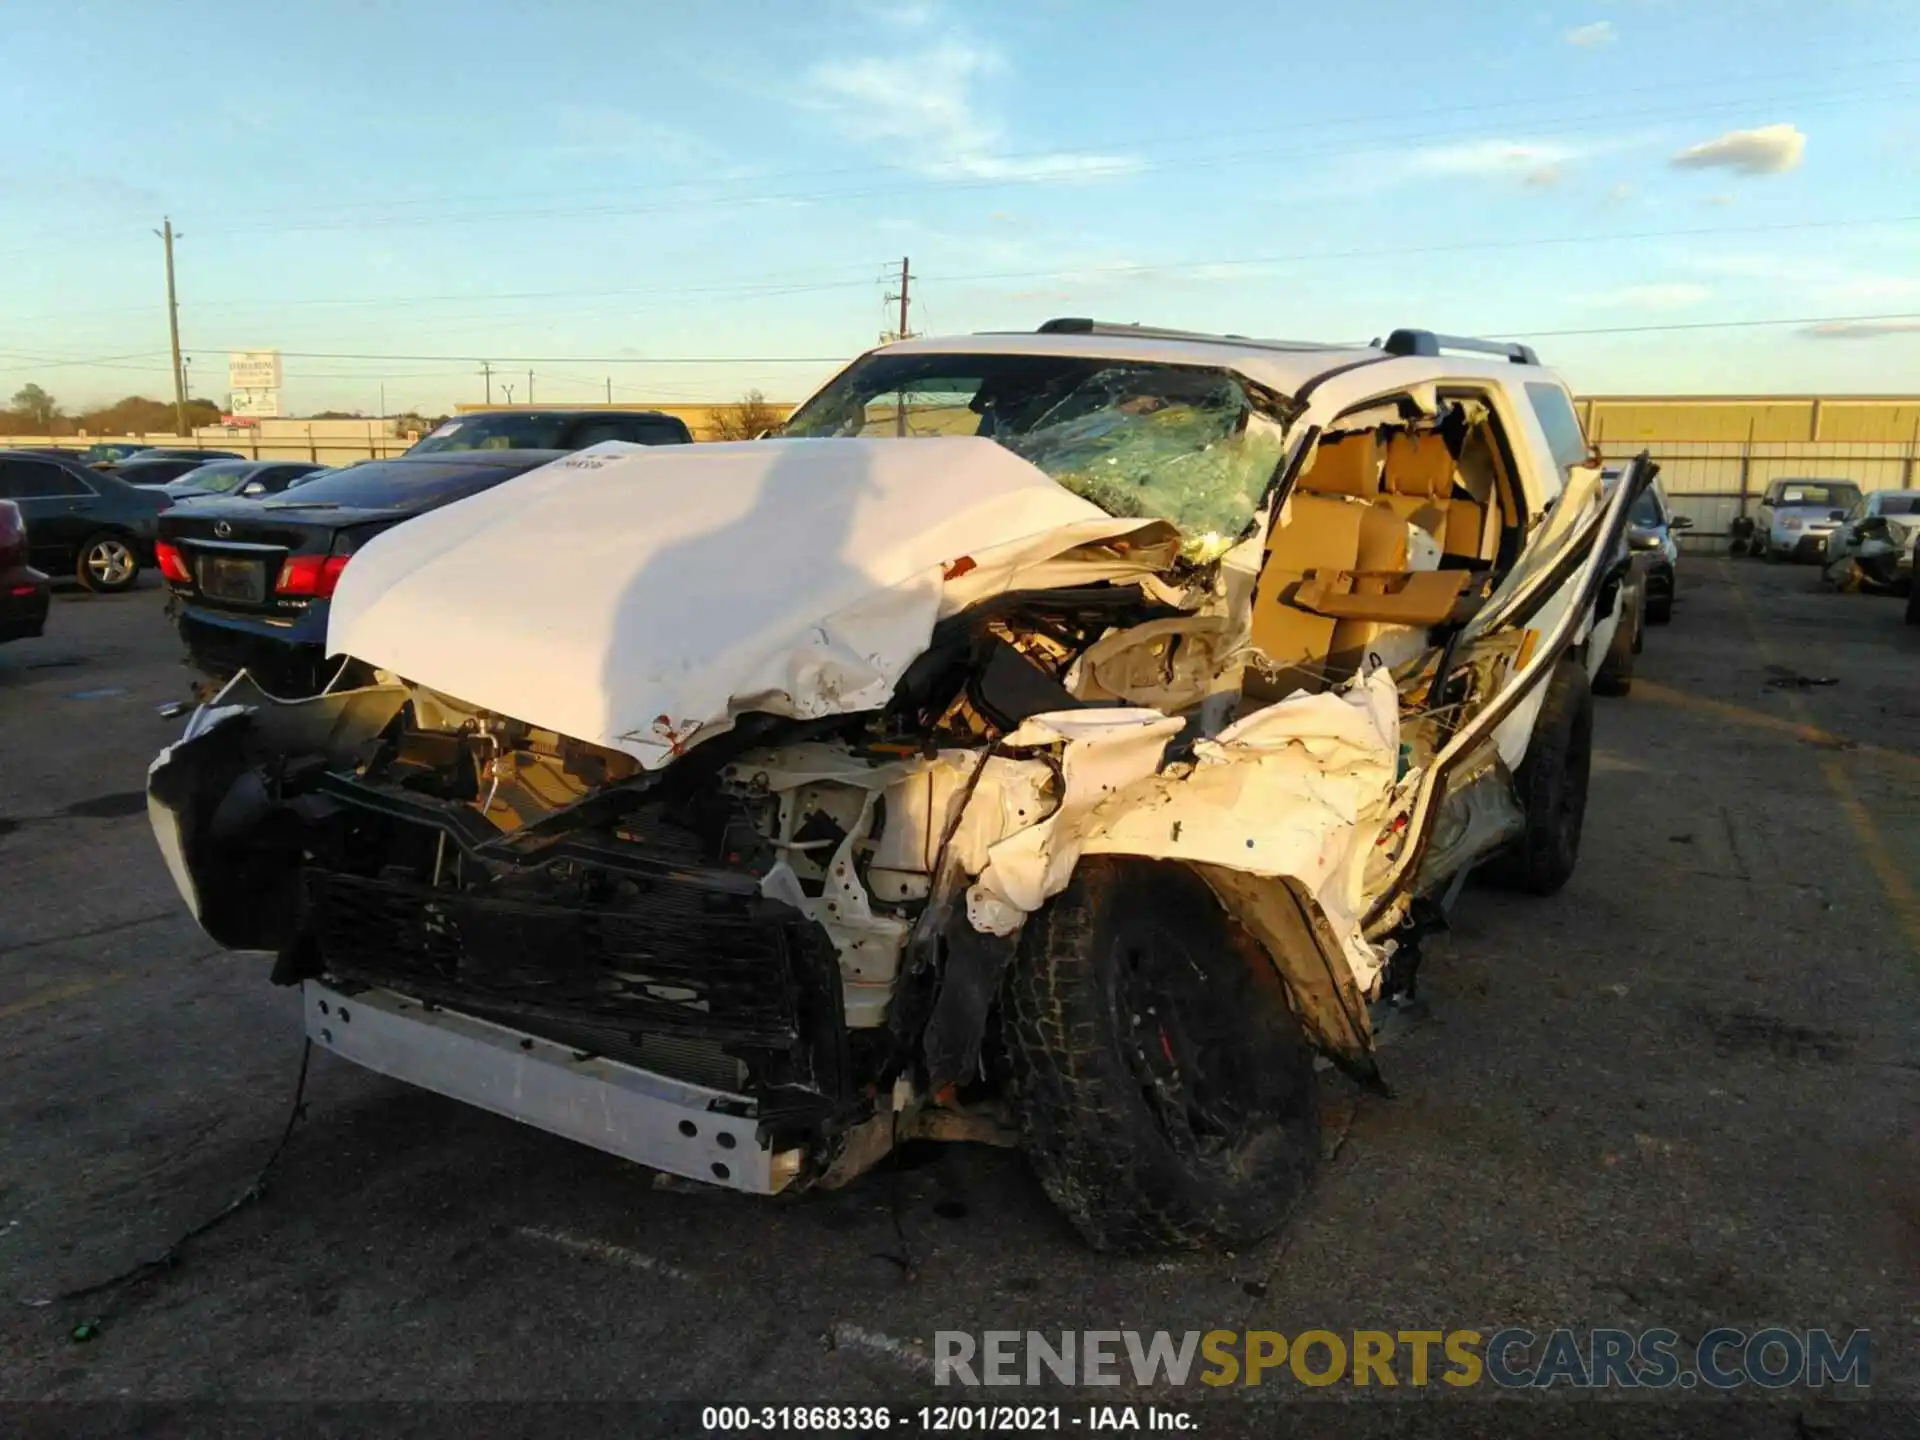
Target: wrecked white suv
1075 772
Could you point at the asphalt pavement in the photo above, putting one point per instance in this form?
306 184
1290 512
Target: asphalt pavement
1681 1093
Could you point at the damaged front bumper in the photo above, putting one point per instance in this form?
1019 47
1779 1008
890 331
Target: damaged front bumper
654 1120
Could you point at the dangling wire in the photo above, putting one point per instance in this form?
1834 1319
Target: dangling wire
170 1257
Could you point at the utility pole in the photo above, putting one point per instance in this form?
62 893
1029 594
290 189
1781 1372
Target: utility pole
167 237
529 387
486 369
609 389
900 400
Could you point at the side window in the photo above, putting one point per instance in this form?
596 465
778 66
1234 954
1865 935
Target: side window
592 432
652 432
1556 415
34 479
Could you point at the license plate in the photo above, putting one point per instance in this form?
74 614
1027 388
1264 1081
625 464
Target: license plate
224 577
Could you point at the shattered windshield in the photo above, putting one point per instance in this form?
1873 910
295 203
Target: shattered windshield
1185 443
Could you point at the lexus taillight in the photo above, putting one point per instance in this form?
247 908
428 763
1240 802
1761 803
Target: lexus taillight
172 565
312 575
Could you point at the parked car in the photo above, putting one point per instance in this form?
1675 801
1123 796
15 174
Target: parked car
24 592
252 579
243 479
112 452
187 452
551 430
1873 548
158 470
81 522
1654 536
1627 589
1101 751
1796 516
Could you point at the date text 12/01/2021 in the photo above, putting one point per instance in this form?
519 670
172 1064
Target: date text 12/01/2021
943 1419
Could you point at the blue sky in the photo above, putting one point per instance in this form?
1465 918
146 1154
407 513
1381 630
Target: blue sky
623 181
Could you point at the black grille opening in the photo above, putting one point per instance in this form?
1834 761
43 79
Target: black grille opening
680 961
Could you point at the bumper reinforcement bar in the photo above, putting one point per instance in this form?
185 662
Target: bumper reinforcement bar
654 1120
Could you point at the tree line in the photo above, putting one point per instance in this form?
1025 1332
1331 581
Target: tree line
35 412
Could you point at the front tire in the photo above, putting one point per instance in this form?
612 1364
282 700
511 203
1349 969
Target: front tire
1164 1089
1552 789
1913 602
106 563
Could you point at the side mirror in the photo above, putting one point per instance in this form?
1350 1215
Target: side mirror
251 488
1681 522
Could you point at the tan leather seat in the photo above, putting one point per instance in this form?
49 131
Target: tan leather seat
1350 513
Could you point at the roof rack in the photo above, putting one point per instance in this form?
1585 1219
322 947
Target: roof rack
1080 325
1428 342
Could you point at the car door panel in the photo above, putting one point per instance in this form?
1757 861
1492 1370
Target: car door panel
56 505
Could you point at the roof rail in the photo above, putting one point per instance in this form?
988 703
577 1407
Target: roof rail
1080 325
1428 342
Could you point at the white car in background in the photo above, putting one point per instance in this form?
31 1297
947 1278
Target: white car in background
1058 735
1796 516
1872 549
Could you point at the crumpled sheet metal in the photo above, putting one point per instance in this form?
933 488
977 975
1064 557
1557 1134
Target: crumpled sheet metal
1298 790
1102 753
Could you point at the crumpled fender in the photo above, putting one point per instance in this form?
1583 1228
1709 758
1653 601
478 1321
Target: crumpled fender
1278 813
223 827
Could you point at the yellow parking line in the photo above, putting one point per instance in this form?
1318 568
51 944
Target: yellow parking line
1760 720
64 991
1893 880
1866 834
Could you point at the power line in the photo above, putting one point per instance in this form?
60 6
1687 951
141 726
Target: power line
572 359
759 290
14 358
1585 237
1700 325
841 359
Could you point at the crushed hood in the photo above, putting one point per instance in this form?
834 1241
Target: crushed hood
642 597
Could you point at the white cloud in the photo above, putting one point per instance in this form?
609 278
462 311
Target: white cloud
1494 157
1769 150
1590 37
1861 329
924 105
